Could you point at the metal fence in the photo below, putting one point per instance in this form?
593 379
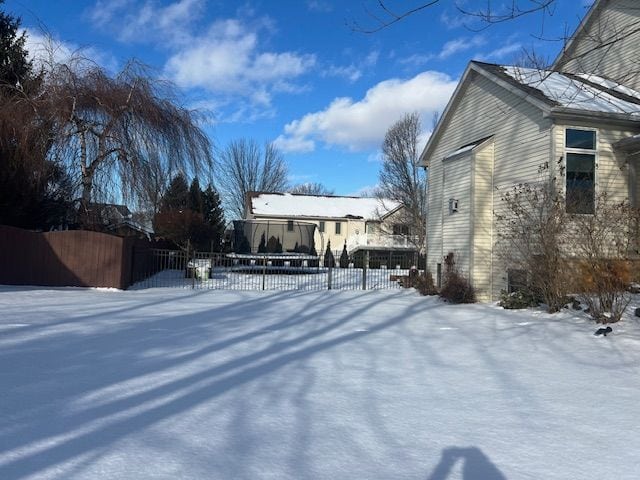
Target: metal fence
208 270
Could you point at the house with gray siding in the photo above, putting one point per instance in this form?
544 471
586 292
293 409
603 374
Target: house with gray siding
579 119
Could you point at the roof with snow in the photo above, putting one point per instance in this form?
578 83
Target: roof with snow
319 206
467 148
587 92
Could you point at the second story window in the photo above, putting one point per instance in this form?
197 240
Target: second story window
399 229
338 228
290 225
580 151
321 226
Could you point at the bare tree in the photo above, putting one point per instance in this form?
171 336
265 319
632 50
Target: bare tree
383 15
311 188
401 177
243 167
121 135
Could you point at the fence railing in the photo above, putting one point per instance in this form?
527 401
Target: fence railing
211 270
381 241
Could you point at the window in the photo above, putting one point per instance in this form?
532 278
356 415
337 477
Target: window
338 228
400 229
581 170
289 225
321 226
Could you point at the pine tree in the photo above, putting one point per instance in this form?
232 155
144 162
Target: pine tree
213 215
344 257
177 195
262 247
329 260
15 67
194 199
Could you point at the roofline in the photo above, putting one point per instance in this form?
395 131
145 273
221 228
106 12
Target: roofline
472 150
445 116
570 45
477 67
629 144
563 113
258 216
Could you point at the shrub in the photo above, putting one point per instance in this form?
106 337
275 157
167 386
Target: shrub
604 289
523 298
424 284
457 289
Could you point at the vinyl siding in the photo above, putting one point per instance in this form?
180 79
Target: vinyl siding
456 180
521 143
612 168
482 220
618 61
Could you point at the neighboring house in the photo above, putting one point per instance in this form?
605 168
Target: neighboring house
117 220
362 223
503 123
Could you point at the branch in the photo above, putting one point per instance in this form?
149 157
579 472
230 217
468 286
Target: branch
395 17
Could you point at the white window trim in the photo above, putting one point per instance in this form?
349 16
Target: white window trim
583 151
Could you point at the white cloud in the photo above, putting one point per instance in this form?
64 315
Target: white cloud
227 59
133 22
361 125
354 71
502 52
321 6
295 144
44 49
453 21
460 45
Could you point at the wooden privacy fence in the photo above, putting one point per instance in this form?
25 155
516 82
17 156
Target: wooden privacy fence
68 258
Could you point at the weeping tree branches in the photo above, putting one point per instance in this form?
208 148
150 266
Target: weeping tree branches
116 135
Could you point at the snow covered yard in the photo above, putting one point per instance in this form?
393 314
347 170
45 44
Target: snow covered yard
171 383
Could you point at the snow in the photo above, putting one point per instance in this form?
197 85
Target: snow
193 384
460 150
278 278
610 84
571 93
322 206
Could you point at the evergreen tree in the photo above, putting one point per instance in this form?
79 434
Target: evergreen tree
177 195
272 245
15 66
329 260
262 247
213 215
34 192
194 199
344 257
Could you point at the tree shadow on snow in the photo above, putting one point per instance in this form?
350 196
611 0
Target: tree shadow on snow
477 465
62 364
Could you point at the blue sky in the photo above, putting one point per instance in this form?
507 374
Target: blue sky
294 71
